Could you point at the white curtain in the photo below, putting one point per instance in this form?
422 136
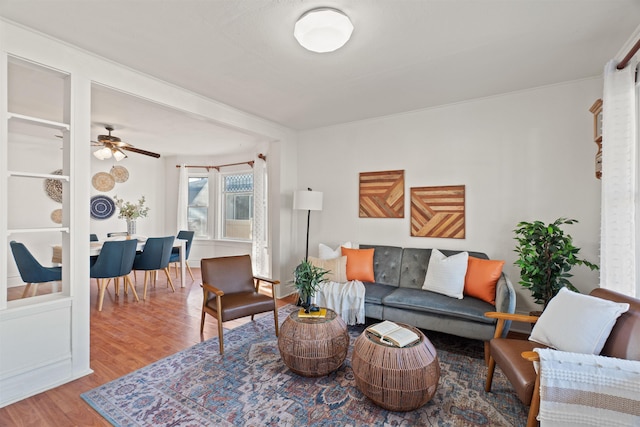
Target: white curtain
619 162
213 175
183 199
260 248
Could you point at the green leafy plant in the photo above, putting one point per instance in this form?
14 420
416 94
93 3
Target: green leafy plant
307 278
546 256
130 210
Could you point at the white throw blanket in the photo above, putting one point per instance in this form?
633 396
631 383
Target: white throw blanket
346 299
588 390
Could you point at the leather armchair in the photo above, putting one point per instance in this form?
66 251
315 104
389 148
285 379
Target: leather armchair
515 356
230 291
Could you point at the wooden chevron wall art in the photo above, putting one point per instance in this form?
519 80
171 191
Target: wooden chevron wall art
382 194
438 212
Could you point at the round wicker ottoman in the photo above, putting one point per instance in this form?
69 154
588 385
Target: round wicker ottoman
313 347
397 379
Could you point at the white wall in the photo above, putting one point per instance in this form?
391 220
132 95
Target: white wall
522 157
146 178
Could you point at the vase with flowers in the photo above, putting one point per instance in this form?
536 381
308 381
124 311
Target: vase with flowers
131 212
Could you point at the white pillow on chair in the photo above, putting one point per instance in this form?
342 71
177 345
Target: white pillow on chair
577 323
325 252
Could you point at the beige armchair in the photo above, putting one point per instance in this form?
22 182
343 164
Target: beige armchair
231 292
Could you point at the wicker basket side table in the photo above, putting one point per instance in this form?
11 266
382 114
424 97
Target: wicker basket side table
397 379
313 347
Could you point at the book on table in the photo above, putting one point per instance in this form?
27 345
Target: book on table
322 312
394 334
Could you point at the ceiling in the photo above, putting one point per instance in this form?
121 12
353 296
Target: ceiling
404 55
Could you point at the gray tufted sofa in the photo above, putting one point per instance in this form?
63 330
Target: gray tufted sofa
397 295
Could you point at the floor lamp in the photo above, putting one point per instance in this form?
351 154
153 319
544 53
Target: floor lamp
307 200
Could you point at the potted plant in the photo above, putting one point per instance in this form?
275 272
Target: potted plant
545 257
131 212
307 277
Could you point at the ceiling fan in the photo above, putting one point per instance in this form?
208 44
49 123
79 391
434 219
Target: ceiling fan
113 146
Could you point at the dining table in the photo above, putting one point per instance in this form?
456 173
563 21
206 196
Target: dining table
96 247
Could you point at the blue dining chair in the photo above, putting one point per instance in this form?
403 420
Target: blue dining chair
31 271
115 261
155 256
93 237
175 252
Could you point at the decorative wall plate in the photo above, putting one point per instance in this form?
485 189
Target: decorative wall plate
53 187
102 207
103 181
119 173
56 216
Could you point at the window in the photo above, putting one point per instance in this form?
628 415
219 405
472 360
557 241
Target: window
198 208
237 206
222 209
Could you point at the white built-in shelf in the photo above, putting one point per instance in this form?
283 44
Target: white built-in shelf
37 121
38 230
39 175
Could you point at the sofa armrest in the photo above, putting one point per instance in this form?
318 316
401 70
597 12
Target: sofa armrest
505 300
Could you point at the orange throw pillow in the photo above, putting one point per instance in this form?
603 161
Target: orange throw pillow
359 264
481 279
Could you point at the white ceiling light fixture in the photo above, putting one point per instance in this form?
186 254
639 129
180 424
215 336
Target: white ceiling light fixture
323 30
102 153
105 153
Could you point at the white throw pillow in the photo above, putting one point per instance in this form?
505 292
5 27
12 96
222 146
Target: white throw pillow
337 268
325 252
445 275
577 323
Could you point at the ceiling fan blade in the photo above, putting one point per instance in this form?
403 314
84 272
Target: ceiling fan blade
139 151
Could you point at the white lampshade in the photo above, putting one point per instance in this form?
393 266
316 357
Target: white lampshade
119 155
323 30
103 153
307 200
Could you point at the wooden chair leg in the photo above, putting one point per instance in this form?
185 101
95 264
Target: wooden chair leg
490 369
144 292
169 281
275 318
127 281
26 290
188 269
220 337
202 322
534 409
487 353
102 286
219 315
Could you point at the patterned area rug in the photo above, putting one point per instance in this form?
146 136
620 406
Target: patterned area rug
250 386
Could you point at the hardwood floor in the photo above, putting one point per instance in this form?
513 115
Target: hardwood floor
125 336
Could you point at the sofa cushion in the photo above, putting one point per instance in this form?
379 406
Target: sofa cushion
445 275
359 264
431 302
386 264
481 279
326 252
375 292
336 268
414 265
